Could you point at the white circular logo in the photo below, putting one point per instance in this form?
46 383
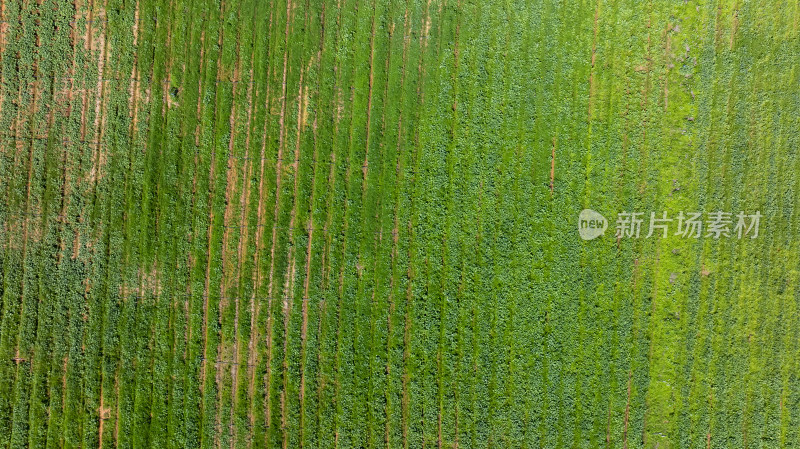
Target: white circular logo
591 224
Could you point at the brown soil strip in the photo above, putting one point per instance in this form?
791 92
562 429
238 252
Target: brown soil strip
229 278
220 305
667 57
185 306
608 427
135 75
307 280
243 240
345 228
627 411
328 222
74 41
197 128
118 415
103 414
64 365
456 54
332 171
454 392
291 270
26 222
3 28
365 167
396 235
405 418
229 212
101 45
166 98
321 380
344 244
199 96
594 55
650 338
278 171
395 255
305 299
643 170
190 259
553 166
65 195
99 160
230 187
411 273
257 281
89 46
3 32
206 289
207 283
66 187
630 370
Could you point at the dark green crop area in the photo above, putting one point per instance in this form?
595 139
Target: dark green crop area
354 224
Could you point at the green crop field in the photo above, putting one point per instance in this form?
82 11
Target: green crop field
355 224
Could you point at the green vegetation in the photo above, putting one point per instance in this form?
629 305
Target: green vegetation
352 224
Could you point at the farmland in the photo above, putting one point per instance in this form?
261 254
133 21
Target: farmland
354 224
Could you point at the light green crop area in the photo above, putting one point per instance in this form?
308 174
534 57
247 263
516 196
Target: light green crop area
354 224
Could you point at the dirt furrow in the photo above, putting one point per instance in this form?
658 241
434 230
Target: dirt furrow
135 75
222 302
3 33
257 277
229 272
244 201
396 236
98 161
278 173
290 277
133 108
